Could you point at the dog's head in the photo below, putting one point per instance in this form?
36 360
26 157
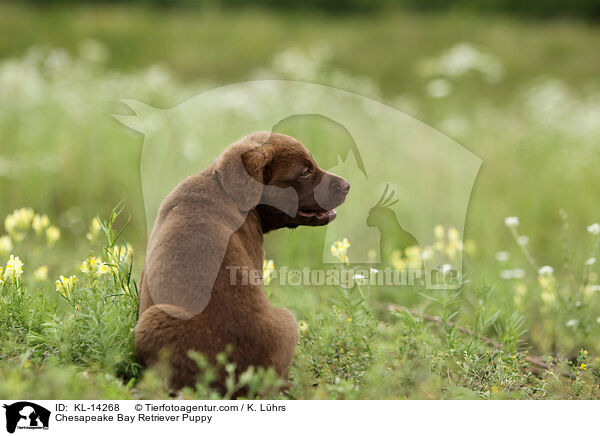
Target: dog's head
278 176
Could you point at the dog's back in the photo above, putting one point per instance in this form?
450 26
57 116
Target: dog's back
236 314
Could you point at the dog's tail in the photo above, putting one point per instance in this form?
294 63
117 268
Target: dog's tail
160 336
158 328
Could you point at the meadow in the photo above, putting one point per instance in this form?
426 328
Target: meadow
523 95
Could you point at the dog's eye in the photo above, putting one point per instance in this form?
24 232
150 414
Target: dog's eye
305 173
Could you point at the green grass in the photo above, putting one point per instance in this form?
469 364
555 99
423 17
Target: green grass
536 130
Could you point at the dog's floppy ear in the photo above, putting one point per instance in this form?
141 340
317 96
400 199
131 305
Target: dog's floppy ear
240 171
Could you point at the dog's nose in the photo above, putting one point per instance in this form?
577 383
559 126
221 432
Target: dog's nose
344 186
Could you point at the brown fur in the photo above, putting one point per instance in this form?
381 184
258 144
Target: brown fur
214 217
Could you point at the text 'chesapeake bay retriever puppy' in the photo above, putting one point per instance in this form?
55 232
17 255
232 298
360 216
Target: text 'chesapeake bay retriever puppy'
209 232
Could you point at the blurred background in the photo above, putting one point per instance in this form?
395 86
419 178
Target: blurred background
515 82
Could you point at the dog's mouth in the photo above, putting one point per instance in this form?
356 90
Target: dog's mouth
316 217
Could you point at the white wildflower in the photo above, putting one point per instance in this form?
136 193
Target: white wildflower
511 221
518 273
439 88
502 256
590 261
594 229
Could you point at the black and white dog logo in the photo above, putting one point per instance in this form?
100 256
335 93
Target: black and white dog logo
26 415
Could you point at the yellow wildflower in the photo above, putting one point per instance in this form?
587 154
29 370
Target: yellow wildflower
120 254
103 269
470 247
18 222
14 269
66 285
453 250
349 319
521 289
94 267
6 245
19 219
548 296
25 216
94 230
583 366
453 235
439 246
268 268
414 257
302 326
52 235
398 262
40 274
448 243
40 223
339 249
548 283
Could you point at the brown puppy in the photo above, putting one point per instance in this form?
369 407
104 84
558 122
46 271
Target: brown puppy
193 295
